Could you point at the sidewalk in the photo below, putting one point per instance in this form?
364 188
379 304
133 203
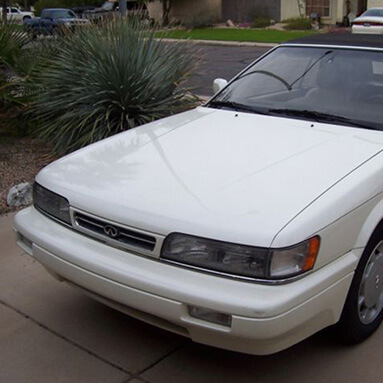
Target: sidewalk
50 332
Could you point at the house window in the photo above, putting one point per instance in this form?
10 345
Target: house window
320 7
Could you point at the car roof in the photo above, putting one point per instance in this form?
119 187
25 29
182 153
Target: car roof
341 39
56 9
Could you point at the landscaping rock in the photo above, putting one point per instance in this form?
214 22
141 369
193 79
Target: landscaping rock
230 24
20 195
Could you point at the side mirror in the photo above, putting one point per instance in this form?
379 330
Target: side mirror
219 84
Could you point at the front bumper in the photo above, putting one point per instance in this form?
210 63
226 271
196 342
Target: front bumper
265 318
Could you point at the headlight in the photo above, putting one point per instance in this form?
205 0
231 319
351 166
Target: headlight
51 203
239 260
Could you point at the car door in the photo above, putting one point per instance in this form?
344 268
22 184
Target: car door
14 14
46 22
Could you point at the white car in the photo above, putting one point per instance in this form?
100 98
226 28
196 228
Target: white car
14 14
370 22
249 223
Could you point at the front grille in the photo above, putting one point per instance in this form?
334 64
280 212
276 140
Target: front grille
117 233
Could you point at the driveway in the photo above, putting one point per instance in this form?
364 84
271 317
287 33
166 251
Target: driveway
50 332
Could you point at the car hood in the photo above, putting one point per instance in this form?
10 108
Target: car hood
231 176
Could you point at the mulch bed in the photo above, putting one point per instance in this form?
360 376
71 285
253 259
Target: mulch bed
20 161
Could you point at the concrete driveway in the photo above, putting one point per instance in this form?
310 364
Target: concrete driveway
49 332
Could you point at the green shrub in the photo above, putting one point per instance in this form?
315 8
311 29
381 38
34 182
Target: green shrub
298 23
202 20
109 78
12 41
261 22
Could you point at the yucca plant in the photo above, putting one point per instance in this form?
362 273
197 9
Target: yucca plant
12 41
110 78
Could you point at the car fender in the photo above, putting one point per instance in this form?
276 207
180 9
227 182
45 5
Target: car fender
374 218
345 216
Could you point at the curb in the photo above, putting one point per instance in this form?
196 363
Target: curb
218 42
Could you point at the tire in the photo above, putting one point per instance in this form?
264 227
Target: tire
363 310
25 18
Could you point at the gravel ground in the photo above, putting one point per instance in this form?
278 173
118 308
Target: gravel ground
20 161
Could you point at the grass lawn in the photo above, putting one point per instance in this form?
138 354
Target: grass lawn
234 34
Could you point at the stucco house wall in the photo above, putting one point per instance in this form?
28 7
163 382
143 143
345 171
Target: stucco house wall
211 11
374 3
290 8
247 10
197 10
338 9
155 10
189 11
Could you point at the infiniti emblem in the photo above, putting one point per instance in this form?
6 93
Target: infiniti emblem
111 231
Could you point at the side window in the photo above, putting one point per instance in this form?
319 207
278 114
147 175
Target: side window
47 15
14 10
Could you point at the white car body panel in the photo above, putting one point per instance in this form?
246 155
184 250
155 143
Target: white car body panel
368 29
266 318
372 30
17 16
278 152
236 177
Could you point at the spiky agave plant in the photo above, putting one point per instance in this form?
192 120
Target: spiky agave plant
20 61
110 78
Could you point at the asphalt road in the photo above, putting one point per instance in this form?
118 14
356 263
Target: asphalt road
221 62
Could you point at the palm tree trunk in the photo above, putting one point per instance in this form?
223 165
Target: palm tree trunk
4 11
166 8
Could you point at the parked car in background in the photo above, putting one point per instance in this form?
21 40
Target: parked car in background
14 14
79 11
249 223
370 22
54 20
110 9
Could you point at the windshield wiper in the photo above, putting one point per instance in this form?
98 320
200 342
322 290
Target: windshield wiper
238 107
322 117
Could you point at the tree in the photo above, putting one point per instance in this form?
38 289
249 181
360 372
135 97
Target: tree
301 7
166 8
122 5
4 4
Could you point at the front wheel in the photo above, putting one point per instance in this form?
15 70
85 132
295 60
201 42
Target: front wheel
363 310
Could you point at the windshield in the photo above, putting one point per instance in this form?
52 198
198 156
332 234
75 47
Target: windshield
63 14
373 12
312 83
108 6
